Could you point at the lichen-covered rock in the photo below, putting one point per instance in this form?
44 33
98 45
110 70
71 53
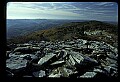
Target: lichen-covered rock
16 63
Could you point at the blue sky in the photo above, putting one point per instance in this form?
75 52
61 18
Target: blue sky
102 11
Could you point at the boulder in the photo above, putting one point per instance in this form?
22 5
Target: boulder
63 46
83 60
70 43
54 75
62 54
57 63
87 63
114 65
69 72
111 70
16 64
26 50
29 56
111 55
98 70
46 58
111 61
24 45
81 41
71 61
47 50
24 56
62 72
40 73
88 75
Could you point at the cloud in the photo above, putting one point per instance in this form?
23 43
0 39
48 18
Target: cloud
106 3
102 3
88 7
59 10
25 11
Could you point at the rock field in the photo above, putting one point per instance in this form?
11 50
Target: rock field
71 58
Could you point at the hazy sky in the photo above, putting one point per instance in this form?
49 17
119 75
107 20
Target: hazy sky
102 11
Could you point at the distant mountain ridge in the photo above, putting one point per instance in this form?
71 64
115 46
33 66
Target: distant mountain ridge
18 27
101 31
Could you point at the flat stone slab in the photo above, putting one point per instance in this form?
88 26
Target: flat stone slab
16 63
57 62
88 75
46 58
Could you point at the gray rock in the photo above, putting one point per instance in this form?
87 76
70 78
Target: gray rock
89 62
88 75
83 41
70 43
111 61
63 59
80 61
57 62
40 73
114 65
110 69
16 63
46 58
26 50
38 54
24 45
24 56
13 55
69 72
98 70
47 50
71 61
65 46
62 54
62 72
111 55
29 56
54 75
78 58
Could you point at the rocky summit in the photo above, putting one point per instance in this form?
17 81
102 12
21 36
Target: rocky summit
71 58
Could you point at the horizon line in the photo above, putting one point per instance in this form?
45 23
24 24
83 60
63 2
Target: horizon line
62 19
